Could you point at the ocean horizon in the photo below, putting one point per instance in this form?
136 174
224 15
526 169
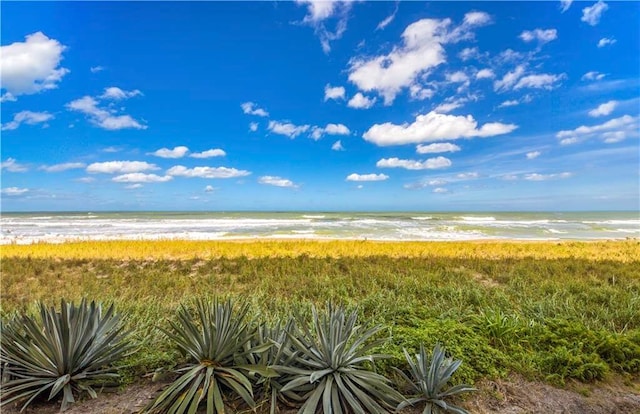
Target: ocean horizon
57 227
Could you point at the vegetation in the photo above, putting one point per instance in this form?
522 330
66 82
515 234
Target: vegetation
69 351
548 311
428 379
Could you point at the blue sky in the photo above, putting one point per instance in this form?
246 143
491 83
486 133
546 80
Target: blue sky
430 106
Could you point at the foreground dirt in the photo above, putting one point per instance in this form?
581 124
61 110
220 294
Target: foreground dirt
513 396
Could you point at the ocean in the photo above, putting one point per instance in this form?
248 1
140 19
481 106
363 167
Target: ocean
25 228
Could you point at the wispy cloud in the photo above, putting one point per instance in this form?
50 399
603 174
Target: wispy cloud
11 165
28 118
251 108
62 167
206 172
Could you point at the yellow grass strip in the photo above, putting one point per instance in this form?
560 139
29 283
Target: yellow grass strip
625 251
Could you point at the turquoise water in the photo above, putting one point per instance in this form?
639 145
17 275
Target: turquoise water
58 227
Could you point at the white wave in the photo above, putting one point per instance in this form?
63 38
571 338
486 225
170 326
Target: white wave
554 231
623 222
469 218
422 218
309 216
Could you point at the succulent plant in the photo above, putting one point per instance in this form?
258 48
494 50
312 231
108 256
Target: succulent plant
68 351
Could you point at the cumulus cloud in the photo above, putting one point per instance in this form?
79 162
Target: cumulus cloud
421 51
333 92
14 191
611 131
319 11
603 109
509 79
540 81
330 129
101 117
253 127
564 5
177 152
141 178
542 36
12 165
359 101
430 164
206 172
276 181
367 177
593 76
485 74
591 15
116 94
469 53
436 148
337 146
62 167
287 128
120 167
545 177
433 127
251 108
31 66
533 154
606 41
217 152
28 118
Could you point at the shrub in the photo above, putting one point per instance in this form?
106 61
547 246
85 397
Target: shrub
68 351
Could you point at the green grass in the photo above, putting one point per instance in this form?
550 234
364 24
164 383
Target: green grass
552 314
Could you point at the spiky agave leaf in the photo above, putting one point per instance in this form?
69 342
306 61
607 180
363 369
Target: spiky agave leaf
329 371
66 351
215 340
429 376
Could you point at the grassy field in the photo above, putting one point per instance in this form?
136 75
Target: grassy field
548 311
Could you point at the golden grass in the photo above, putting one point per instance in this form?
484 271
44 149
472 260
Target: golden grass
624 251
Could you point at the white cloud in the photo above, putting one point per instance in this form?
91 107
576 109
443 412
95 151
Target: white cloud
533 155
14 191
613 130
12 166
116 94
333 92
31 66
177 152
419 93
509 80
102 117
437 148
287 128
440 190
319 11
468 176
330 129
217 152
509 177
469 53
276 181
209 189
133 186
605 41
96 69
593 76
251 108
337 146
539 81
111 149
26 117
511 102
387 20
7 97
541 35
437 182
445 108
253 127
485 74
457 77
564 5
120 167
591 15
421 50
206 172
85 180
367 177
544 177
433 127
359 101
430 164
62 167
141 178
603 109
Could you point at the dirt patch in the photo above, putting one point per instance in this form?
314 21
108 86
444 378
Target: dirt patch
513 396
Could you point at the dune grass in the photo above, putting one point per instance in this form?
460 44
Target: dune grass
549 311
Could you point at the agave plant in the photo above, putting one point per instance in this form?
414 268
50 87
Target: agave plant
68 351
329 370
215 341
428 379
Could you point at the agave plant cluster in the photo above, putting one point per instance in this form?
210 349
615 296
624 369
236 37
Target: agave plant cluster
325 365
